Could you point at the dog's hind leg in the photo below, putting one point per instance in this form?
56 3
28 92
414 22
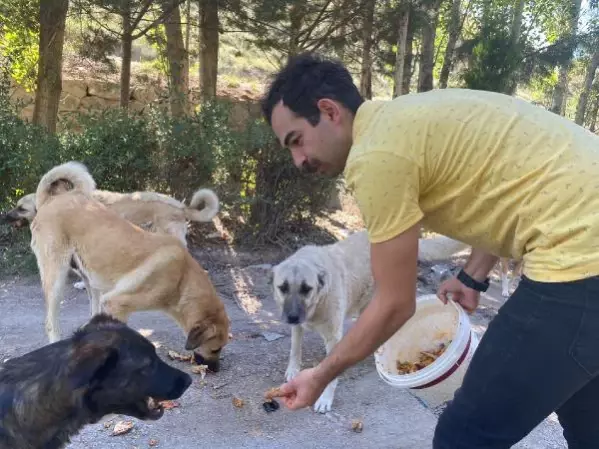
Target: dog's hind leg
116 306
94 298
325 401
295 356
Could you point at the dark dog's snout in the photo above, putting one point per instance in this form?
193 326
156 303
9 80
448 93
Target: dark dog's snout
181 384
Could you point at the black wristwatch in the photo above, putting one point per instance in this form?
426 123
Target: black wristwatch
472 283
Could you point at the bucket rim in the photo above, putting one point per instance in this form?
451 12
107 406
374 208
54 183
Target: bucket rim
436 370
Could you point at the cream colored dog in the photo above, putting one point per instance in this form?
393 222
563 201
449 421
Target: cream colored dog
151 211
128 269
318 287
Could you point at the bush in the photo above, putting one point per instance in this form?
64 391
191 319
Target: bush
280 194
115 146
26 151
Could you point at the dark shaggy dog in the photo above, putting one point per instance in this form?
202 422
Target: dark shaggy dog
48 395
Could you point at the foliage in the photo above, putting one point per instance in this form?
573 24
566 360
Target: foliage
494 59
115 146
19 35
282 196
25 150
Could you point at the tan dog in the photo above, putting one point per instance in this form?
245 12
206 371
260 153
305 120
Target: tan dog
127 268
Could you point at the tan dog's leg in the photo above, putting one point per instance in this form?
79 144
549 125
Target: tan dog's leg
54 278
118 306
94 299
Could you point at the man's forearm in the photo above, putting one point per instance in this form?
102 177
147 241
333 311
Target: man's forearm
377 323
479 264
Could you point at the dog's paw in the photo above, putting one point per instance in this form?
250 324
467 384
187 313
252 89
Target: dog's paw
292 371
505 293
79 285
325 402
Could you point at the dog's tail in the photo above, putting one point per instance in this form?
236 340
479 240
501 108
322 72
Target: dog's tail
208 200
438 248
70 176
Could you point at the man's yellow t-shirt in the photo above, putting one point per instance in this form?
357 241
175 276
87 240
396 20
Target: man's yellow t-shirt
493 171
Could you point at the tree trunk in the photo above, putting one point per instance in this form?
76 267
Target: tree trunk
366 70
209 42
581 108
453 33
515 41
408 71
427 54
187 29
594 112
558 102
400 56
127 44
53 14
178 62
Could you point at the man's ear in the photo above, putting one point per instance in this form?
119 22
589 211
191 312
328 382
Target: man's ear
198 334
329 108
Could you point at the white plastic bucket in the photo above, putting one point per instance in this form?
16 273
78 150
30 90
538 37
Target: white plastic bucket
432 324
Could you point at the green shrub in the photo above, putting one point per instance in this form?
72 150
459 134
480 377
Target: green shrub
186 151
115 146
26 151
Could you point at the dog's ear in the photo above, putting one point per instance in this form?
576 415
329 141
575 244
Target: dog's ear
94 354
92 363
321 280
199 334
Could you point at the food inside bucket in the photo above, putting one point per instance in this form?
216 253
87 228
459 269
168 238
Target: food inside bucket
425 359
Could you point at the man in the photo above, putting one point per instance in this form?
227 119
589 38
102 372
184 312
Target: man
504 176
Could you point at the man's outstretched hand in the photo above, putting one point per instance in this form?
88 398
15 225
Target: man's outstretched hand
303 390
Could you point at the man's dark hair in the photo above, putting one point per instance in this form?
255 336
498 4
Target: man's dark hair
305 80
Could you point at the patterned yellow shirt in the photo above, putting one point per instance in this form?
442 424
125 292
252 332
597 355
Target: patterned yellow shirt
493 171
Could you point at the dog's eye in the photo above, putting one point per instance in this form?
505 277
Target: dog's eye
216 351
305 289
284 287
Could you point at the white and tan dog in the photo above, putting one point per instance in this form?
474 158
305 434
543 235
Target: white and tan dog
128 269
151 211
318 287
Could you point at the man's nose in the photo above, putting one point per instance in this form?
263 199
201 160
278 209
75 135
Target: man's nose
298 158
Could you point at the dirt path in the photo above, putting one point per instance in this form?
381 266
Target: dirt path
253 362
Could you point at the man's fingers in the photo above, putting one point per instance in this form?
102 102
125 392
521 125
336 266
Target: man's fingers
442 294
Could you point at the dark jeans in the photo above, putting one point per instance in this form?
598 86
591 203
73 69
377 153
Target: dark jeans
539 354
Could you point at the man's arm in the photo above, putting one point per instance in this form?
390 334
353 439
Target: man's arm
394 267
479 264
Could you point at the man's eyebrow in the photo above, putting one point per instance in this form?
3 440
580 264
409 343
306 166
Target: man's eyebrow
288 137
